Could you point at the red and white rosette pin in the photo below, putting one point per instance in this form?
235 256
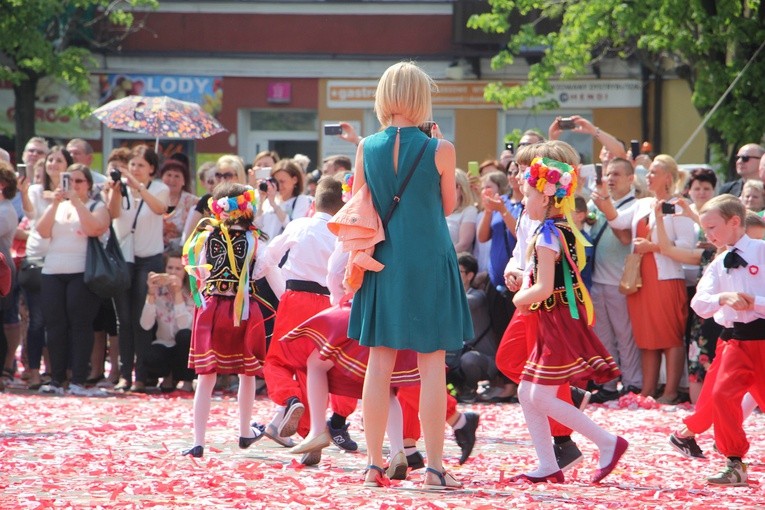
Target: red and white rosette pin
753 270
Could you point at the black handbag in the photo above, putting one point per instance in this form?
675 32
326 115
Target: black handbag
106 272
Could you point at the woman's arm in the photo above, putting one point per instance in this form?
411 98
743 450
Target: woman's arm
667 248
543 287
26 204
466 237
358 174
44 225
94 223
484 226
446 163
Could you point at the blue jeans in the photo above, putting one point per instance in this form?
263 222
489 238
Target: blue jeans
36 329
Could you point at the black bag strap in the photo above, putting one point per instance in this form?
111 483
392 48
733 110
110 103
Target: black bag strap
135 220
397 196
605 225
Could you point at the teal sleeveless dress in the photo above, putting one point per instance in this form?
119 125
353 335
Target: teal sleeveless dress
417 301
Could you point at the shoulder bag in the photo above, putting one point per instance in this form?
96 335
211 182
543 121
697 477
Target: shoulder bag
631 279
106 272
397 196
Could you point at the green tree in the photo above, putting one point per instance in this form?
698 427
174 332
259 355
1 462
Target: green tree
57 38
704 42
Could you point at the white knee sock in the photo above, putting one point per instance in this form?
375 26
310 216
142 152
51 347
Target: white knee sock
395 426
278 417
202 400
246 399
546 400
318 392
748 405
539 428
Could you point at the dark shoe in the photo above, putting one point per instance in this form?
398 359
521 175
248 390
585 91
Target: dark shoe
567 455
195 452
580 397
292 414
687 446
556 477
311 458
95 380
601 473
465 436
467 397
246 442
603 395
341 438
631 389
415 461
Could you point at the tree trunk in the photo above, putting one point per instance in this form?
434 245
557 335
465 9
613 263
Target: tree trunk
24 114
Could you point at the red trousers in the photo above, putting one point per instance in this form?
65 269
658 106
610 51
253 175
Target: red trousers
740 370
514 350
409 397
283 379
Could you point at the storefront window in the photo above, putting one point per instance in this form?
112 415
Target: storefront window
283 120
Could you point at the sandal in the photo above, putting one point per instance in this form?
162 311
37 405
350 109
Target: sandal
379 479
445 481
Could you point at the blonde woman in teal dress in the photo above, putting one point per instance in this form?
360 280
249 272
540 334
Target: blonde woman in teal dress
416 302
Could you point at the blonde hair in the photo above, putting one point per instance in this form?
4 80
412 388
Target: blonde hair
235 163
754 220
468 198
498 178
553 149
669 165
727 206
753 184
404 89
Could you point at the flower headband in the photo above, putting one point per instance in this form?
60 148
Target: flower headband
347 186
552 178
233 208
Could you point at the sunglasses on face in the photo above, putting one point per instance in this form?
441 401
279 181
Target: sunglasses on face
746 158
227 176
78 181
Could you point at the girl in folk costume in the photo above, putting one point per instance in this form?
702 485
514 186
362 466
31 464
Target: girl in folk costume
560 317
228 336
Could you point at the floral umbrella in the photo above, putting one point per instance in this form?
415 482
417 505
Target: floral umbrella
160 117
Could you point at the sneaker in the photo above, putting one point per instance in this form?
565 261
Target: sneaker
51 389
78 390
567 455
580 397
415 460
292 414
272 434
687 446
734 475
465 436
603 395
631 389
341 438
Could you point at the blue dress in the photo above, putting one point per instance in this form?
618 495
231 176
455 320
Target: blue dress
417 301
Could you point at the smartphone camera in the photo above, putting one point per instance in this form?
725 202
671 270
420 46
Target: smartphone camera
566 123
635 148
667 208
598 173
510 146
333 129
427 127
263 185
65 182
21 170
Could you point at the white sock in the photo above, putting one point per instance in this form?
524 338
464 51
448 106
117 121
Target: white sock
317 388
395 426
461 421
410 450
539 428
246 399
748 405
278 417
202 401
546 400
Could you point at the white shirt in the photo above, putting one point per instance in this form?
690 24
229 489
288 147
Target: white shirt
36 245
679 230
523 234
749 280
147 240
169 316
309 242
336 273
455 220
295 207
68 243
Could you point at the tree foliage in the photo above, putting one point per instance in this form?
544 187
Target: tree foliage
704 42
57 38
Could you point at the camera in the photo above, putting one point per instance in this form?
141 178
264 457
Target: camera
598 173
263 185
21 170
65 182
667 208
566 123
115 174
509 146
635 148
333 129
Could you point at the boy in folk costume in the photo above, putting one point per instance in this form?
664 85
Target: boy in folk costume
228 336
560 318
734 283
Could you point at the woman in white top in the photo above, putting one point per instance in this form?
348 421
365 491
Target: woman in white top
658 310
175 175
69 307
281 198
36 200
139 229
462 222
